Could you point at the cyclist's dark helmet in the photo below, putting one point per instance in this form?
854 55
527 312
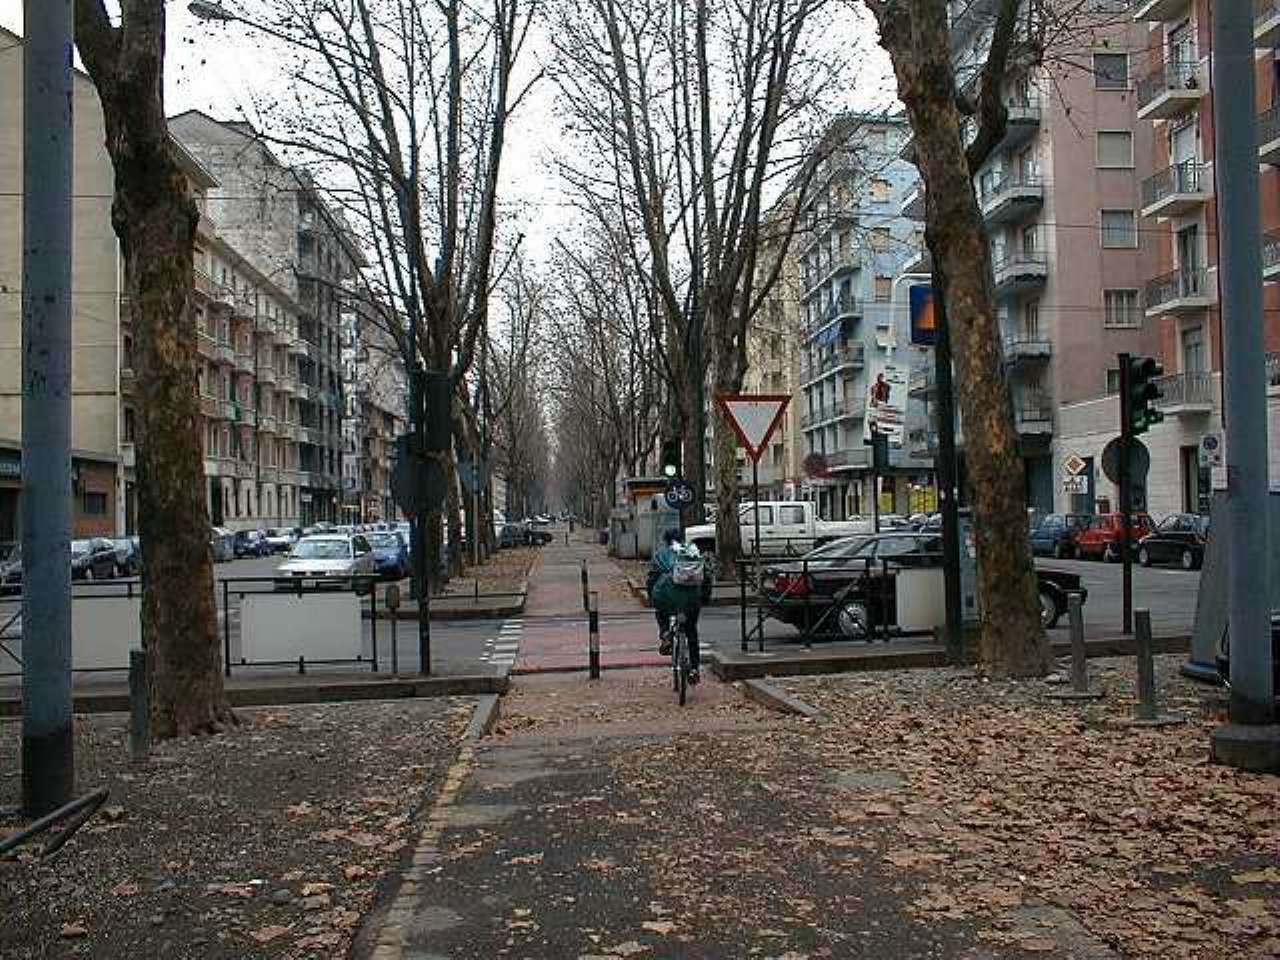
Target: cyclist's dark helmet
671 536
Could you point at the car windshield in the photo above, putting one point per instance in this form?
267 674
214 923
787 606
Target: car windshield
79 548
837 549
323 550
383 541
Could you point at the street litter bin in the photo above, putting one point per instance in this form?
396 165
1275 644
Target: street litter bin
604 538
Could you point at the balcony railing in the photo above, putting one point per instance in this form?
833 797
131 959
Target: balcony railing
834 411
245 361
1180 179
1186 391
1273 369
1027 348
1269 134
1266 23
1180 78
1034 416
849 355
1011 193
1020 268
1189 283
1271 254
859 457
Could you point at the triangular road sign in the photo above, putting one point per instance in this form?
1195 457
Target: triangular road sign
754 417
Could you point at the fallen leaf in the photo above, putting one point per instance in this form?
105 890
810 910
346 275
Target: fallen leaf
663 927
125 889
527 858
74 930
267 934
311 889
1267 875
355 871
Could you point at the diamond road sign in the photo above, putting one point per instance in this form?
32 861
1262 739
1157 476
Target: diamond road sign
1073 466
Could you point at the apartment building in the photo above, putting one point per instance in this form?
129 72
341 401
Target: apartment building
1059 199
855 244
274 216
95 307
1173 90
374 413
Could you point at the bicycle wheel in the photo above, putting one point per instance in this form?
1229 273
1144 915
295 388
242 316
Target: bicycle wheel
681 655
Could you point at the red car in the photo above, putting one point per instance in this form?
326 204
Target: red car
1102 537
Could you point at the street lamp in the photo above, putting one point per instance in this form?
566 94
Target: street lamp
204 10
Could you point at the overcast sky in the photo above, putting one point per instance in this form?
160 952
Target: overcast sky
218 70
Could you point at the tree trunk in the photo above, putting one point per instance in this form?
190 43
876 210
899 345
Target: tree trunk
1013 641
155 218
728 370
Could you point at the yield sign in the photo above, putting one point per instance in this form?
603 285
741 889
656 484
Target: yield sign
754 417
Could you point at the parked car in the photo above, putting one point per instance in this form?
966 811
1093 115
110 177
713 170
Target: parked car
280 539
10 568
1101 539
843 583
222 542
1055 534
93 559
327 560
249 543
786 527
390 555
1179 538
128 556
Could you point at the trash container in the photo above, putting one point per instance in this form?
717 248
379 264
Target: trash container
604 538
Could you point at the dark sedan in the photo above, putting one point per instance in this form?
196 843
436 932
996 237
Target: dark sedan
1179 538
93 559
1055 534
848 587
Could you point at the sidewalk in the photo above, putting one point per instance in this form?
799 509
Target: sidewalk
555 624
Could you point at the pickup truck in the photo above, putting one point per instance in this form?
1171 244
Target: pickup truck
787 528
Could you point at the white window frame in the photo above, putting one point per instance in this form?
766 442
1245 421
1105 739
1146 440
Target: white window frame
1103 230
1097 150
1111 319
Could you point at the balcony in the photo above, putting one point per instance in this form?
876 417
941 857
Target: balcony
1266 23
299 347
210 407
1273 371
245 362
1023 271
319 480
1012 198
1182 291
1150 10
814 280
244 415
1185 394
1269 135
1023 121
849 357
224 353
1027 350
1175 190
306 391
1033 418
285 334
244 306
267 375
851 459
913 207
244 469
313 436
841 410
287 384
1271 255
1170 90
128 382
267 423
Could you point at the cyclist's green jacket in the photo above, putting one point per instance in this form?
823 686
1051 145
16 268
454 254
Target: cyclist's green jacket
666 594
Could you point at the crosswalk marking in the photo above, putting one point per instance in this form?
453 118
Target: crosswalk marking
501 650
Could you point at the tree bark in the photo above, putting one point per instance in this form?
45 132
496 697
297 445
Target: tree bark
155 218
916 36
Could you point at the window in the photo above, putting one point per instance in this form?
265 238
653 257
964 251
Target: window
1193 350
95 504
880 239
884 288
1111 71
1120 309
1119 231
1115 149
791 515
1113 381
881 190
130 424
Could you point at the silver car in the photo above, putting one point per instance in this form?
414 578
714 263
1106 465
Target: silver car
328 561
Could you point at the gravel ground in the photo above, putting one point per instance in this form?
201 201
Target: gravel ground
266 841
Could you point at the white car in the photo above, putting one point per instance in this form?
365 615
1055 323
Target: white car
281 539
327 561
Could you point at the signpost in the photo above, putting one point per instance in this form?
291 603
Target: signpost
754 418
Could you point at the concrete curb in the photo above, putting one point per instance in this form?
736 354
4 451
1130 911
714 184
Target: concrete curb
641 594
438 614
485 717
767 695
390 689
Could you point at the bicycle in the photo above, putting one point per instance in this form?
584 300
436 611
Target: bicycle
680 665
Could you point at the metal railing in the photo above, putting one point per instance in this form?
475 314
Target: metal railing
1273 369
1271 250
1185 177
1181 283
1017 348
1020 263
1269 125
1175 75
1012 184
1033 414
852 354
1186 389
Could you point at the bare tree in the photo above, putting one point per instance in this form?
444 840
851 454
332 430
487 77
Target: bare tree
690 106
405 107
155 217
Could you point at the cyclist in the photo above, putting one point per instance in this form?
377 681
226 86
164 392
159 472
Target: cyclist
670 597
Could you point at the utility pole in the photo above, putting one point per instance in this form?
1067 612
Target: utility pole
948 486
48 766
1251 738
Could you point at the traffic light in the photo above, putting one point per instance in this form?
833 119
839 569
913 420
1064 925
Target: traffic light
1142 394
670 458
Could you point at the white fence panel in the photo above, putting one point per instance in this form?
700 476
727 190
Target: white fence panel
103 630
284 627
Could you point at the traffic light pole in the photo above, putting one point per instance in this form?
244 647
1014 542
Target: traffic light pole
1126 492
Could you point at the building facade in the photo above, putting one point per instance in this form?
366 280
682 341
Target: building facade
374 413
95 306
856 242
275 218
1174 99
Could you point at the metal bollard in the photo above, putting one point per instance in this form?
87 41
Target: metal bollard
593 636
139 708
392 601
1146 667
1079 666
742 599
585 605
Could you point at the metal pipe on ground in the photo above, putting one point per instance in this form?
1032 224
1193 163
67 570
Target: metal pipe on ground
139 708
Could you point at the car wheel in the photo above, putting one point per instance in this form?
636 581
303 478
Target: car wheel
1189 560
1049 612
853 620
1061 551
1144 557
1109 554
88 573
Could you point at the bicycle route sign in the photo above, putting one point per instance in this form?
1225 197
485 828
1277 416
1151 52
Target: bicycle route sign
679 495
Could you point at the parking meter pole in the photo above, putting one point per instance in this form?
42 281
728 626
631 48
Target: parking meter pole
139 708
1079 667
1146 667
593 636
226 628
